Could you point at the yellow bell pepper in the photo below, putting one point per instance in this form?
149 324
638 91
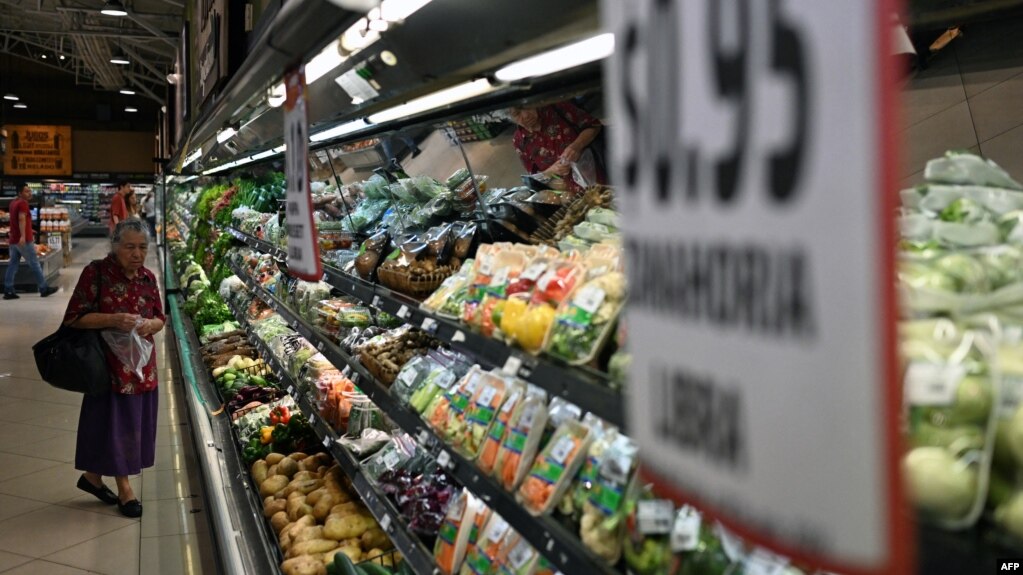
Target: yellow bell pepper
266 434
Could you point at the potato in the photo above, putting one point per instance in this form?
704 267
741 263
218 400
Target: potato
298 509
339 528
303 476
272 485
346 509
322 508
287 466
304 565
274 458
298 456
304 521
377 556
311 547
315 495
274 507
310 463
353 553
279 521
285 540
307 534
271 471
303 486
374 537
259 470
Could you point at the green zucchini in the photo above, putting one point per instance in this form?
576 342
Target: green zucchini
344 564
372 568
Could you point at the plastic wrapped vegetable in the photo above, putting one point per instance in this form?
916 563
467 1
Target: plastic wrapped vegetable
455 428
453 537
483 410
602 525
951 390
526 428
603 435
483 558
517 556
499 430
554 468
648 525
583 325
967 168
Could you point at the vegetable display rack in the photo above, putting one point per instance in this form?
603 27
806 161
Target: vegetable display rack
587 388
389 518
561 546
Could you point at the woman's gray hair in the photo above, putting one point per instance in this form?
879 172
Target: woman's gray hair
130 225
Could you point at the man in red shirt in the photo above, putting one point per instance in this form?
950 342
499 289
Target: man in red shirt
118 208
22 245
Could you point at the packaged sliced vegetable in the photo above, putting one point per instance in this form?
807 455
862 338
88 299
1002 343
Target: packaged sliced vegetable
483 411
449 551
526 429
394 455
499 429
647 544
455 431
603 435
584 324
554 468
484 556
602 525
952 384
517 556
445 405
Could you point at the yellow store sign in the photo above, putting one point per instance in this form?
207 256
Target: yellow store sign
38 151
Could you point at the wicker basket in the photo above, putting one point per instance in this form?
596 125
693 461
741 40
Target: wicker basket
378 371
419 286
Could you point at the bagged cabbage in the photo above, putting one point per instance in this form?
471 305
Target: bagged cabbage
967 168
951 389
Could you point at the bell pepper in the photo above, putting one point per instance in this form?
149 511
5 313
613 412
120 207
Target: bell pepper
280 414
255 450
266 435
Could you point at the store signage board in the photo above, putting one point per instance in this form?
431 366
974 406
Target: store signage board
303 249
38 151
754 151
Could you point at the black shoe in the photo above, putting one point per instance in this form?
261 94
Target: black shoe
103 493
48 292
130 509
11 295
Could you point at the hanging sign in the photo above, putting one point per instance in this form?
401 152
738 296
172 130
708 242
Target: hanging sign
303 249
753 147
38 151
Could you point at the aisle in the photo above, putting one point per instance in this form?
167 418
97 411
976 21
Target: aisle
48 526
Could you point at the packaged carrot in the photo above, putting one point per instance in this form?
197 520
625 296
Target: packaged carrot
482 559
483 410
453 535
526 428
517 556
499 429
453 428
554 468
439 410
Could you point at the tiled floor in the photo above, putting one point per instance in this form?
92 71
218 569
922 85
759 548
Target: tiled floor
48 526
969 98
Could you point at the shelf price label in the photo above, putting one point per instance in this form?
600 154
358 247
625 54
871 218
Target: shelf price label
303 249
755 162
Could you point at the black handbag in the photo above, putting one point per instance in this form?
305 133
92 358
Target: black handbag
73 359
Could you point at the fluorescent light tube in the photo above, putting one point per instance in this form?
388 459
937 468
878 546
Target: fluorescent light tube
262 155
10 97
339 131
321 64
433 101
127 91
131 109
21 105
398 10
225 135
570 56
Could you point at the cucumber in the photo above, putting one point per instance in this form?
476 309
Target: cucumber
372 568
344 564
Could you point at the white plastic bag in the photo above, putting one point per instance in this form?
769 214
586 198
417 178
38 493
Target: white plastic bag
584 170
131 348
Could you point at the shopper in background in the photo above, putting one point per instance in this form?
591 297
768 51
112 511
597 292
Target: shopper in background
118 207
131 203
149 212
21 244
550 138
117 431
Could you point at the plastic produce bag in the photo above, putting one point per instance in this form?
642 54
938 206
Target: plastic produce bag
132 349
966 168
554 468
952 386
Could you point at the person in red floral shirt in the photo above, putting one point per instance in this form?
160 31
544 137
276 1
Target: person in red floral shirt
550 138
117 431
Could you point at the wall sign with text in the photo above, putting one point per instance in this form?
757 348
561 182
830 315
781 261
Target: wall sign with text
38 151
753 149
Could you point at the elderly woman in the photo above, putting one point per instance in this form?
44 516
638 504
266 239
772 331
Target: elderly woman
550 138
117 431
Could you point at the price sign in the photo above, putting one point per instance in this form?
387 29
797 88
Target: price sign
303 249
755 162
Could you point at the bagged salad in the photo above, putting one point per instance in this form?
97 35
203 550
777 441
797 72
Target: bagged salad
584 323
603 521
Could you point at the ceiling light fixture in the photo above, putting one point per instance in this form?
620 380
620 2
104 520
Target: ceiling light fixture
341 130
322 63
433 101
10 97
114 8
61 56
21 105
131 109
570 56
225 135
119 58
127 91
43 56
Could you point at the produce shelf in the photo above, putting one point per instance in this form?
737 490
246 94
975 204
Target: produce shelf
561 546
241 533
587 388
389 518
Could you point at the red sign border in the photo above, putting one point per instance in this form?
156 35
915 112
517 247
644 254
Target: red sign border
899 560
295 89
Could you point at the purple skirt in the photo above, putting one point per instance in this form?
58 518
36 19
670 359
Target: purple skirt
117 433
